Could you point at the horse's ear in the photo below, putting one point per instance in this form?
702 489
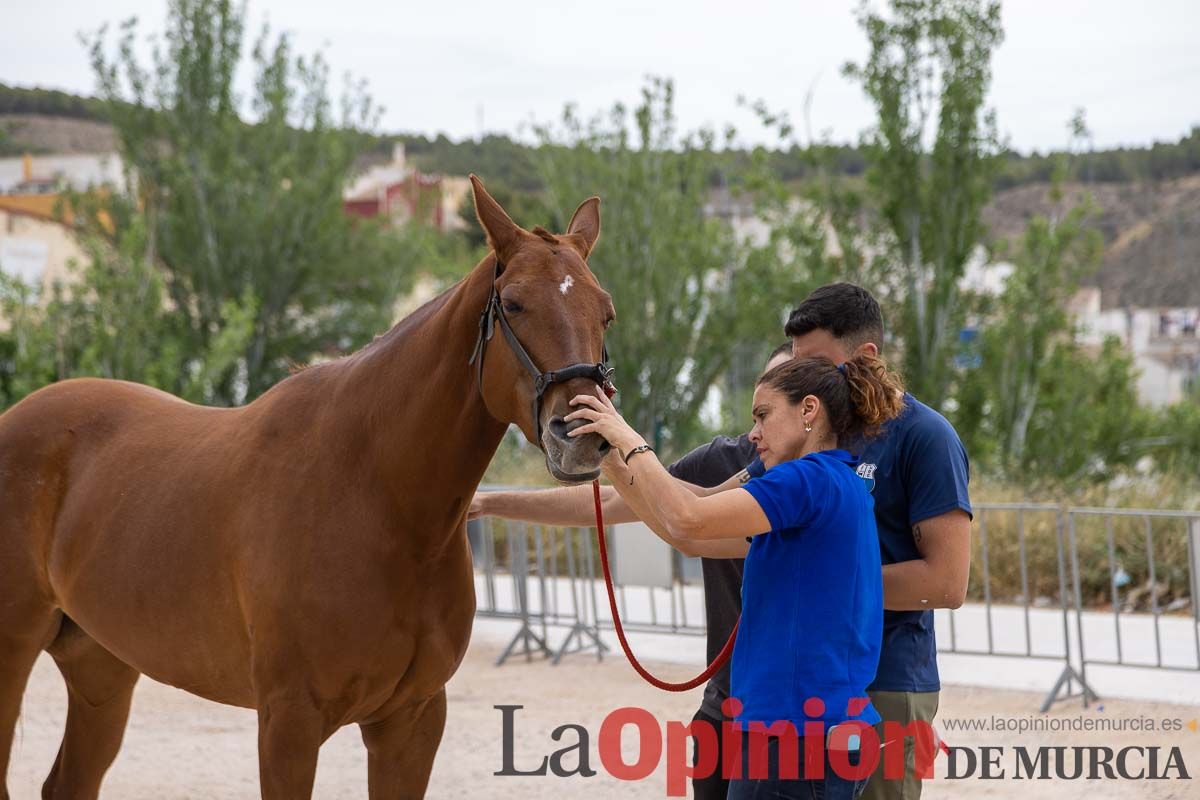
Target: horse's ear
585 224
502 233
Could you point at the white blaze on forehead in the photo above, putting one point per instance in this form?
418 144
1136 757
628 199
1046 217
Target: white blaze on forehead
566 285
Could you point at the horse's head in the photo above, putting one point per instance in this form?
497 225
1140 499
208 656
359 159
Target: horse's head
557 312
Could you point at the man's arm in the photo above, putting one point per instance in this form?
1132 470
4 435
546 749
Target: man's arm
715 548
568 505
938 579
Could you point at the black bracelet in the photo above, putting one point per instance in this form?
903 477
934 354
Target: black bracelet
641 448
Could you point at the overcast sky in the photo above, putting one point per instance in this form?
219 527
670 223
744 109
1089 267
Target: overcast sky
462 66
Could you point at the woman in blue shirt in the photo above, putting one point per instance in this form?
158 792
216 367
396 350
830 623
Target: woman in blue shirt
812 593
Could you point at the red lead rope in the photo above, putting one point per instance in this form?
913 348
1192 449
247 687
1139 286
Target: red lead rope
721 658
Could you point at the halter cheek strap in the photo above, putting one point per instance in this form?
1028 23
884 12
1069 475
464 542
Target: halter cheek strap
493 312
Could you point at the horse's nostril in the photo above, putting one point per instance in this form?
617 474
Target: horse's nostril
560 429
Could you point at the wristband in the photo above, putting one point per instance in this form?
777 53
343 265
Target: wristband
641 448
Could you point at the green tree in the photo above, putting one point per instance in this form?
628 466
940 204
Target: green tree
114 321
820 230
1087 422
7 146
816 232
1033 320
1179 427
1018 408
671 268
503 161
930 60
238 208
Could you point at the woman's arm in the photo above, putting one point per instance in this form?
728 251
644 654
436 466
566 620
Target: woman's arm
568 505
736 547
683 515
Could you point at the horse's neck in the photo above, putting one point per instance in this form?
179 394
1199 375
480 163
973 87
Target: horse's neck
426 425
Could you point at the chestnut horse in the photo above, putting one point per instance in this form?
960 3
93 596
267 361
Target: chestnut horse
303 555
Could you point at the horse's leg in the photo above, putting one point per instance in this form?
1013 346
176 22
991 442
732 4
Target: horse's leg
99 693
401 748
22 638
28 621
290 732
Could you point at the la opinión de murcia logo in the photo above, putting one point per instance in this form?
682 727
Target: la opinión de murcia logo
853 746
1067 763
854 750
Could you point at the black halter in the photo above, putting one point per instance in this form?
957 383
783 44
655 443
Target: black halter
600 373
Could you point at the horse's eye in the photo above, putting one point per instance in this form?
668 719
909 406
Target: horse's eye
513 307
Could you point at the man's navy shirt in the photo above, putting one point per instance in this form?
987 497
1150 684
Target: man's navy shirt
916 468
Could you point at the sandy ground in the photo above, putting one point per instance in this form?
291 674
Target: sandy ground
179 746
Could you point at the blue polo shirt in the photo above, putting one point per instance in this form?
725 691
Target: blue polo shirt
812 595
916 468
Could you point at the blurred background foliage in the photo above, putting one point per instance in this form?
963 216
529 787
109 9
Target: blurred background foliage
228 257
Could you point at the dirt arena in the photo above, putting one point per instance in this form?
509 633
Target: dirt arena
178 746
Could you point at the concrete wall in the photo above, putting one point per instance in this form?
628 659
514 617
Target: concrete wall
37 250
77 171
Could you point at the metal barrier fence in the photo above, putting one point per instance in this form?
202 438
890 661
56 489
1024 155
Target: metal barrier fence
1047 582
550 577
1046 522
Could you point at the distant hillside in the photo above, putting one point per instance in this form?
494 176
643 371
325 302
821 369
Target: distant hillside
1149 198
1151 235
39 133
510 161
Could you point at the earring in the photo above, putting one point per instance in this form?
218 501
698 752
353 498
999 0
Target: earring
807 427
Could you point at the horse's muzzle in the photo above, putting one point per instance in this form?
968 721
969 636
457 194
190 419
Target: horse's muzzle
572 459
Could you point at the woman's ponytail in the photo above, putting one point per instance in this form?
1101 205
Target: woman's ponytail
858 396
876 392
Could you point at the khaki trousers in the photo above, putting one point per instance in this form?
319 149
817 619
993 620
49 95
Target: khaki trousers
903 708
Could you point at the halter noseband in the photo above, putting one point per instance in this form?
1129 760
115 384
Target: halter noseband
600 373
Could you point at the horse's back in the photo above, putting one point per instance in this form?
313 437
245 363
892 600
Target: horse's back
87 446
40 438
39 444
89 406
110 495
71 416
50 440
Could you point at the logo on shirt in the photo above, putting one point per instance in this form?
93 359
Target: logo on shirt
867 473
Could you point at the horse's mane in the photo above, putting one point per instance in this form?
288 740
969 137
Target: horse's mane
545 235
415 318
397 329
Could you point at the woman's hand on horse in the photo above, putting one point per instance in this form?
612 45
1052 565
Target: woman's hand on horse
603 419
